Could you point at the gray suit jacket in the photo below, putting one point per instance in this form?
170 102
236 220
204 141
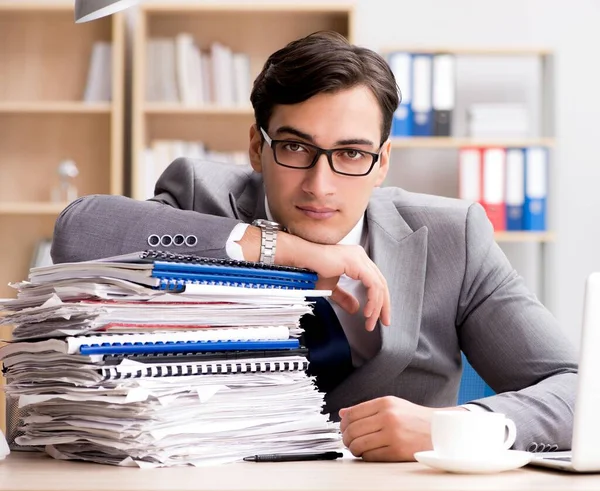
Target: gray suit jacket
451 286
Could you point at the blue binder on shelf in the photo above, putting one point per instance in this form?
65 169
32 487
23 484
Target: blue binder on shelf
401 66
422 105
536 189
515 188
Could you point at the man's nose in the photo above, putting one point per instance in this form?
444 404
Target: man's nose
320 179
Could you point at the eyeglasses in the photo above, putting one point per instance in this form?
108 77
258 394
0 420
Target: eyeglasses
300 155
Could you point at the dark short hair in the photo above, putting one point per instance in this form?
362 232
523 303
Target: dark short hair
323 62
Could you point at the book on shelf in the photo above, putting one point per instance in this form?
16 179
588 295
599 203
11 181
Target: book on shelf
427 83
99 80
178 71
159 155
510 183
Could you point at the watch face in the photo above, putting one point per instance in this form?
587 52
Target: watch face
261 222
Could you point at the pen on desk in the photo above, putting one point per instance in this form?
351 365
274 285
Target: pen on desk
293 457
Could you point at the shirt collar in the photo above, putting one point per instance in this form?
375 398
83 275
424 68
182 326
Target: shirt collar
356 236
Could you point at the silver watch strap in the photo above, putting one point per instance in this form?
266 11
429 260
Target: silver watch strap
268 245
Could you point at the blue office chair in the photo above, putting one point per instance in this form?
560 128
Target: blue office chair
472 386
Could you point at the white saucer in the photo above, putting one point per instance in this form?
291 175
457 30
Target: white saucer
487 464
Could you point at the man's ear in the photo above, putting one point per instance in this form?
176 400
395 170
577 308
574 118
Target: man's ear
255 149
384 162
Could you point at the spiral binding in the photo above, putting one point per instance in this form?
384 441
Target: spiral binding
192 258
179 285
206 369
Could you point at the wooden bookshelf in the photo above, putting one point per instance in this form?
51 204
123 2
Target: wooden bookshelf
45 60
471 50
540 237
43 107
454 143
205 110
457 142
255 29
31 208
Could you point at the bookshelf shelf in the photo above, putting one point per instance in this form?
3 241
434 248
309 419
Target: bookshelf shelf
280 7
453 142
171 109
471 51
525 237
60 107
241 28
45 59
36 6
31 208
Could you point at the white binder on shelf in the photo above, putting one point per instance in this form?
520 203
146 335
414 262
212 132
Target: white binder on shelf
470 174
422 110
444 93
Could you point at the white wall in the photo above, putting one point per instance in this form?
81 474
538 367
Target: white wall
571 30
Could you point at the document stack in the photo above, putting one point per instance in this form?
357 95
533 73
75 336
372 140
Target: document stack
158 359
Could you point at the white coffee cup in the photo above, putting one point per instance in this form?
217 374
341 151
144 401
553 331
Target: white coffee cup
471 434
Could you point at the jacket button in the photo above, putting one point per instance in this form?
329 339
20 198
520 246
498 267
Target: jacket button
153 240
191 240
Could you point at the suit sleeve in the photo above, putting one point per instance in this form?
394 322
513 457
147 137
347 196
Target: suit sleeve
514 343
101 226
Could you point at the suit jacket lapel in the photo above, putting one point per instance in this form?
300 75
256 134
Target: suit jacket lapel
250 205
401 255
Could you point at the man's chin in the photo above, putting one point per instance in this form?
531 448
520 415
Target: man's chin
326 237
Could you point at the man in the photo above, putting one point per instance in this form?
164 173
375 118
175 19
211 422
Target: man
415 278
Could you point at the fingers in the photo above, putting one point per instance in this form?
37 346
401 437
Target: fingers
333 261
386 310
348 302
378 296
361 428
367 444
360 411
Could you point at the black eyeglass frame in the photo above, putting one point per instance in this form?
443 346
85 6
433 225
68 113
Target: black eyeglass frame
320 151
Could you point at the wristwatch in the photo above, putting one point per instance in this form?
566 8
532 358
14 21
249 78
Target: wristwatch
268 239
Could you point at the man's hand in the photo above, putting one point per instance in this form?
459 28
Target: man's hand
330 262
388 429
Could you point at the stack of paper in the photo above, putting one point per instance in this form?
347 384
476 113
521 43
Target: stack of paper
112 371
